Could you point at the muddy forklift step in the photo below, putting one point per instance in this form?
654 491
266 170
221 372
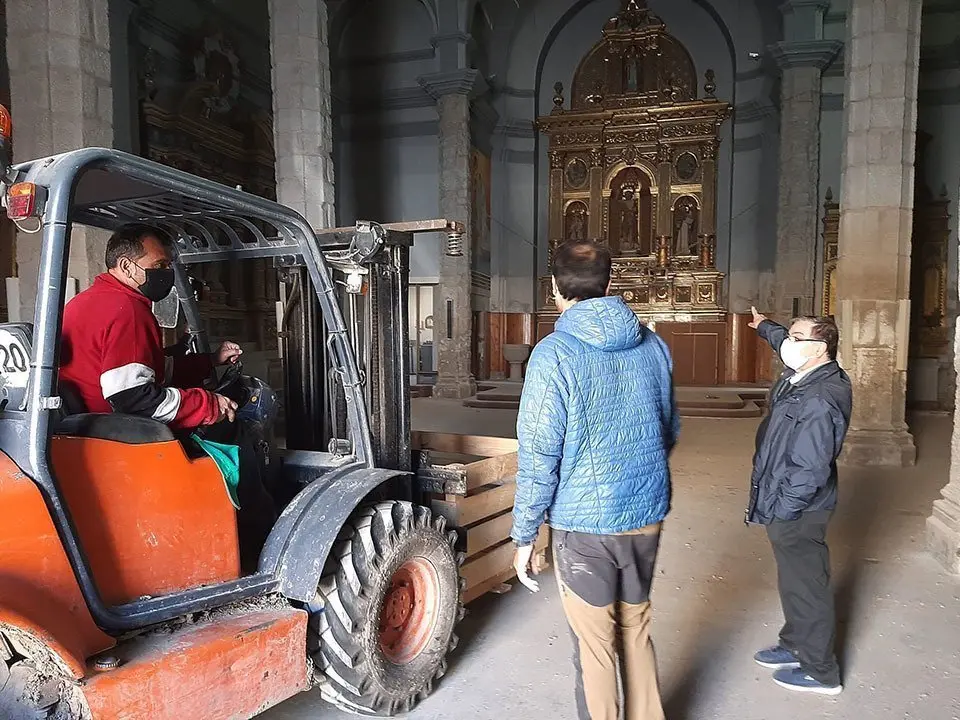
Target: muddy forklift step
227 667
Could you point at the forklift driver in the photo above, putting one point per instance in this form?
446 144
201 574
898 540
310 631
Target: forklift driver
112 353
112 358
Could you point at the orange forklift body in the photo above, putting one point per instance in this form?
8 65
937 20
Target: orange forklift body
157 522
38 590
232 667
153 521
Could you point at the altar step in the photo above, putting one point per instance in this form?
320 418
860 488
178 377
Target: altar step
716 402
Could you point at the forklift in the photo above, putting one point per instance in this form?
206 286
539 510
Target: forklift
121 589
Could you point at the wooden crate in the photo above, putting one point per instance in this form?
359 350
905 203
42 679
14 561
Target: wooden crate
475 482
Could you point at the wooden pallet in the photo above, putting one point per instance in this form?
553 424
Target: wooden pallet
474 479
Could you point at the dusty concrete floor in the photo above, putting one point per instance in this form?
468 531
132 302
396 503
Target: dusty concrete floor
716 603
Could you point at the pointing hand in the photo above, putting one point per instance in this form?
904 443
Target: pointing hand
757 318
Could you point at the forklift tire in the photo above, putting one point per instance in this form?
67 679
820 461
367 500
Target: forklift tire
382 622
32 687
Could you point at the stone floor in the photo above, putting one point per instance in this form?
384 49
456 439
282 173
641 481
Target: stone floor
715 600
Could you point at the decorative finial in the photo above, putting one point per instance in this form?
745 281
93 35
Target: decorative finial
558 96
829 195
710 86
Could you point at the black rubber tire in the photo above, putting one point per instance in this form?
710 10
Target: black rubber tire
344 628
27 692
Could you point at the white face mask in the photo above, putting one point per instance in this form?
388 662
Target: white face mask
794 354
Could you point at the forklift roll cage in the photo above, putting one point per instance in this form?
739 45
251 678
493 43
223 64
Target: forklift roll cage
208 222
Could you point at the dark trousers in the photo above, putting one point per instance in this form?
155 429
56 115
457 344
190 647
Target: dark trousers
257 514
605 592
803 573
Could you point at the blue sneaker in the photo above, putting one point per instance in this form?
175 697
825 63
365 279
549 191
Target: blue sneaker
796 679
776 657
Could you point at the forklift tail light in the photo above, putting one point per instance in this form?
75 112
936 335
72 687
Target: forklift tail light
6 125
6 134
22 201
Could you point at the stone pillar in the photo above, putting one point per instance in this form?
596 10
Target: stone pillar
61 99
876 213
801 57
302 128
452 313
943 525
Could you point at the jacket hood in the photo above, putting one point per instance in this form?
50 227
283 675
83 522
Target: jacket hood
605 323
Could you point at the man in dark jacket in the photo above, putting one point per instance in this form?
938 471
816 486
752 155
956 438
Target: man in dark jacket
793 493
597 423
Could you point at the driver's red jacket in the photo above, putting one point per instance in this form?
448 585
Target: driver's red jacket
112 356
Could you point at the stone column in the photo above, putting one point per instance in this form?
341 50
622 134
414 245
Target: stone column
453 316
943 525
61 99
302 128
876 213
801 57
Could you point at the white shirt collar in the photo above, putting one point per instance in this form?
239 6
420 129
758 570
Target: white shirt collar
798 376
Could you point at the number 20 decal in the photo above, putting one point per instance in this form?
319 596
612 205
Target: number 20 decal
12 358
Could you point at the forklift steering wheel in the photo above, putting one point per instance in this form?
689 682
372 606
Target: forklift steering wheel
230 377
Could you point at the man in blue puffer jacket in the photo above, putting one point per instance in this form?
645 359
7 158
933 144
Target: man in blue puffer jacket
597 424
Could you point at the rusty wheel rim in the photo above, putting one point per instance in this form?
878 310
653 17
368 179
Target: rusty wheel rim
410 611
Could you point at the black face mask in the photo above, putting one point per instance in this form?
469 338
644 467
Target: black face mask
158 283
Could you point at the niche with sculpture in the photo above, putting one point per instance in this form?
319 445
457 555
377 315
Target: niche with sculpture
631 213
686 217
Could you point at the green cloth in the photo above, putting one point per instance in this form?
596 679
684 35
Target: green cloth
227 458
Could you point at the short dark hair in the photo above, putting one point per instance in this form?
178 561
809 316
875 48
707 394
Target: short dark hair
824 329
582 269
127 242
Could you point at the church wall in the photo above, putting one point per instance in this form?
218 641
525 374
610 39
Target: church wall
391 179
385 124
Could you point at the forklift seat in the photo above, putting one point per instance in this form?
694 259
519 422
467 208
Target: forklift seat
75 421
127 429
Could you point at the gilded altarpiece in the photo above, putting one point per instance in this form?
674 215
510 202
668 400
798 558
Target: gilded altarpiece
633 165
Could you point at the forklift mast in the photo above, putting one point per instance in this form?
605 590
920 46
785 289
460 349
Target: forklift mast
372 295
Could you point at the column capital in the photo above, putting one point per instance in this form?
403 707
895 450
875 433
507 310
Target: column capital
466 81
791 6
454 38
804 53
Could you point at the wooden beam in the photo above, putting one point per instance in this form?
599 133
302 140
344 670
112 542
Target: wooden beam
488 533
490 471
464 511
463 444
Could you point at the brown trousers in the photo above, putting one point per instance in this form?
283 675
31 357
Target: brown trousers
605 591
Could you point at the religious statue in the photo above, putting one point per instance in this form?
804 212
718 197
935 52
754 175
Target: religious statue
576 222
632 72
684 228
628 218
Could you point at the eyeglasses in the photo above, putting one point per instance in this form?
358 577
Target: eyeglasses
791 338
